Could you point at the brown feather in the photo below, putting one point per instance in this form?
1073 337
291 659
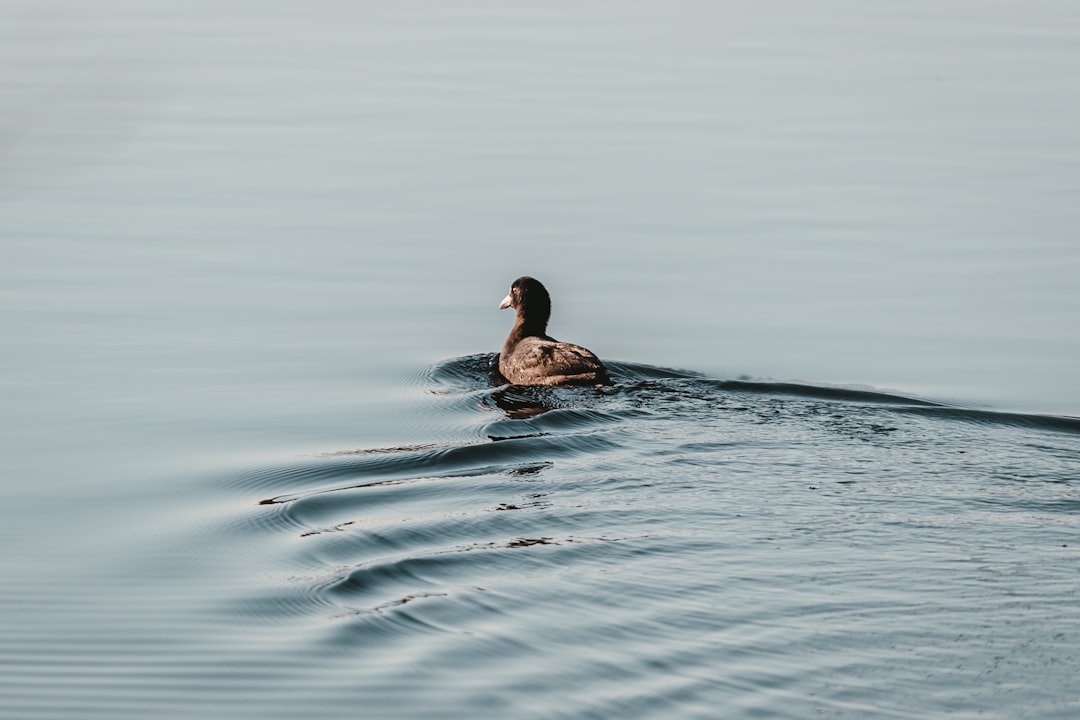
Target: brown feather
531 357
543 361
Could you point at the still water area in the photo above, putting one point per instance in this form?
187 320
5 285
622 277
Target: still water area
256 463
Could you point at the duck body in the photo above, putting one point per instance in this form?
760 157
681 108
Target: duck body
530 356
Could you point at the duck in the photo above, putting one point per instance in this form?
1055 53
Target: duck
530 356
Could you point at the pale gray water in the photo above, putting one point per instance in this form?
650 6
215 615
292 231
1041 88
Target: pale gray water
235 237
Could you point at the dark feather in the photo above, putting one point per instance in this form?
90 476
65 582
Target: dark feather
530 357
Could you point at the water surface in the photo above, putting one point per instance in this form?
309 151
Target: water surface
254 465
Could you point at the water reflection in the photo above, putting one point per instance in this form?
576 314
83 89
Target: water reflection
522 402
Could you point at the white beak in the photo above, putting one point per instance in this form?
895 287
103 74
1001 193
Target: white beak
505 303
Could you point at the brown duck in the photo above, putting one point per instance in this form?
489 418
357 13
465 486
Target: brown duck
530 357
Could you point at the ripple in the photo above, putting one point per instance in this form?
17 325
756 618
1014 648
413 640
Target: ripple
680 542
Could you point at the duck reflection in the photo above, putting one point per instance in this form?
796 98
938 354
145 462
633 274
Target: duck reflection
521 402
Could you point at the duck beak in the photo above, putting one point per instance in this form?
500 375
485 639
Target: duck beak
505 303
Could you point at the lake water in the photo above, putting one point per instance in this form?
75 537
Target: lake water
254 464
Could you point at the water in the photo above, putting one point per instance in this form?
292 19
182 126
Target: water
254 465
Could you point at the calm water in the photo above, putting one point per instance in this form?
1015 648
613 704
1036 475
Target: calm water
253 461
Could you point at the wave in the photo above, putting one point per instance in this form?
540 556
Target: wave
652 418
536 426
643 516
